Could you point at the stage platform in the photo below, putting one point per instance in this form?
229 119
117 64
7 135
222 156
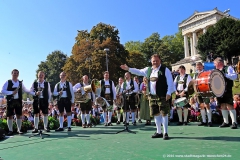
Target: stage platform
102 143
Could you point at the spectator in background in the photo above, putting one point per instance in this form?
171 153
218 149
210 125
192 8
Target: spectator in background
210 57
213 104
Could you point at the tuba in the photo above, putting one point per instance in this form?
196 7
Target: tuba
83 97
101 102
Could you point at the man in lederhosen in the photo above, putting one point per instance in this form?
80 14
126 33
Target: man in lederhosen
119 90
41 92
13 91
181 86
109 93
226 101
160 89
203 101
130 88
64 91
140 96
85 106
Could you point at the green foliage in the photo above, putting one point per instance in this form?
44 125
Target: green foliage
223 39
52 67
53 123
133 46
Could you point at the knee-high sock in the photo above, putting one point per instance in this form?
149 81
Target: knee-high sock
45 121
87 118
10 124
233 115
165 123
203 113
124 116
133 117
69 120
185 114
19 124
139 115
109 117
119 116
171 114
83 118
36 121
127 119
105 117
209 115
179 112
225 116
61 121
158 121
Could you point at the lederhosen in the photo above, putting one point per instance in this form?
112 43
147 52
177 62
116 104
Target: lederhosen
107 96
158 103
40 103
64 102
14 104
184 86
200 99
129 99
88 105
227 96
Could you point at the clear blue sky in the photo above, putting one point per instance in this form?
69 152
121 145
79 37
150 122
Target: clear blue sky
31 29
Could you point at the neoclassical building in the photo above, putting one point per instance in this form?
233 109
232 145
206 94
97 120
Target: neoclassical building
194 26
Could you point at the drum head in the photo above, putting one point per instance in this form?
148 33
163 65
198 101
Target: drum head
217 83
180 100
191 87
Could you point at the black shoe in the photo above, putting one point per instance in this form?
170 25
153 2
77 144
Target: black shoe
179 123
124 122
109 124
202 124
165 137
35 130
59 129
234 126
89 125
105 124
185 123
224 125
139 121
69 129
157 135
134 123
118 122
210 124
148 124
10 133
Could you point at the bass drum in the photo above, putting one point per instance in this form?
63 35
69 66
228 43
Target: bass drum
210 84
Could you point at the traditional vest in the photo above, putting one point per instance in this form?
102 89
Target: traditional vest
9 88
45 91
161 84
67 89
103 88
131 84
184 79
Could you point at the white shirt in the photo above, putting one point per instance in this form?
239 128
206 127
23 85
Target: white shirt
15 85
120 89
231 74
179 87
32 90
107 90
64 95
143 72
129 87
78 85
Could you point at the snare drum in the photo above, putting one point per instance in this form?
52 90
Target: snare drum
180 102
210 83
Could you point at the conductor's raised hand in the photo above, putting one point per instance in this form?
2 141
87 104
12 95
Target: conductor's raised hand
124 67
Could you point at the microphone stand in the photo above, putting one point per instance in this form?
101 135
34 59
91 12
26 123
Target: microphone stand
39 130
125 126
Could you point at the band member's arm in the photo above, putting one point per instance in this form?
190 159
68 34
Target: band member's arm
188 81
72 93
175 84
4 89
49 93
76 87
114 91
231 73
135 87
25 89
169 82
139 72
32 92
55 92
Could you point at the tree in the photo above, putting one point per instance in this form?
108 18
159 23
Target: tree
223 39
88 54
52 67
136 60
133 46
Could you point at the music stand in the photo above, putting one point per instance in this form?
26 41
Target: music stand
39 130
125 126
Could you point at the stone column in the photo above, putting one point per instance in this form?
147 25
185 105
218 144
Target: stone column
186 50
194 43
191 45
